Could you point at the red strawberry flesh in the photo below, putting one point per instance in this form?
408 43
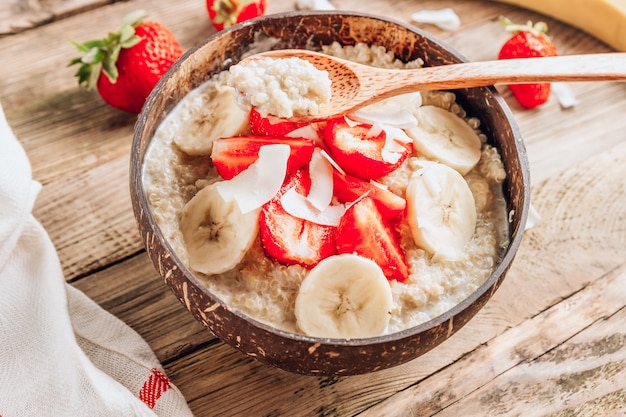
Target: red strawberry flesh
291 240
233 155
357 150
363 231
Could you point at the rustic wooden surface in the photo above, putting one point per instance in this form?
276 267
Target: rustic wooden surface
552 341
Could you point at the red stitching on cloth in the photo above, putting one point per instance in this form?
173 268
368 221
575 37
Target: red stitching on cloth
156 384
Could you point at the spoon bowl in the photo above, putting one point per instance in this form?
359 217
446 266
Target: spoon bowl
355 85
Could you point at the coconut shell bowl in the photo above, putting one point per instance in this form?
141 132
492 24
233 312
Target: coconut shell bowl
309 30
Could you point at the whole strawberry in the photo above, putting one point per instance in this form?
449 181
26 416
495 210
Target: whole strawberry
528 41
225 13
126 65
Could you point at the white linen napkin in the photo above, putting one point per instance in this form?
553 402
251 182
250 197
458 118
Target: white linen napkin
60 353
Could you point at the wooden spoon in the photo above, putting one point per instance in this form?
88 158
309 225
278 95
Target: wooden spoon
356 85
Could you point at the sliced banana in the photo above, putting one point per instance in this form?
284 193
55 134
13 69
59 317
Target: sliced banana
217 235
344 296
210 113
441 211
443 136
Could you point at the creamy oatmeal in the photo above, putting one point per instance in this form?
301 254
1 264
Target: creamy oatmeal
280 87
266 289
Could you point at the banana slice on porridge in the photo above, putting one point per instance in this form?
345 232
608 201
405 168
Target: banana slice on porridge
445 137
345 296
216 233
211 114
441 211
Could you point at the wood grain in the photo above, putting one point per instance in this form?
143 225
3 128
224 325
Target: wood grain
551 340
575 362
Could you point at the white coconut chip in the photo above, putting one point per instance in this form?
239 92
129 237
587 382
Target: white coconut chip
401 119
260 182
445 19
565 95
332 162
314 5
321 173
299 206
351 122
306 132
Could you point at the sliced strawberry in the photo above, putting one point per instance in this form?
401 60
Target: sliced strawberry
232 155
291 240
363 231
271 126
347 189
358 151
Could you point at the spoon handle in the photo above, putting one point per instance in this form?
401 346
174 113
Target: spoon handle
591 67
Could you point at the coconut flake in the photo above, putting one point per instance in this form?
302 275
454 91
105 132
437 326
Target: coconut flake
394 139
260 182
445 19
306 132
299 206
390 156
374 131
314 5
401 119
332 161
533 217
379 185
350 122
321 173
564 94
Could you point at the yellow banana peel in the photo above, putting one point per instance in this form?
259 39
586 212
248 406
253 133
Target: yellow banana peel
603 19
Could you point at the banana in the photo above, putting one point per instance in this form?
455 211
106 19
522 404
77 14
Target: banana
443 136
441 211
217 235
344 296
211 112
604 19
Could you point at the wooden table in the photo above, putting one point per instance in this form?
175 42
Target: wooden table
552 341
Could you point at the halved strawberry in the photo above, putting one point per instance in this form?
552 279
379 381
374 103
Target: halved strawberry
347 188
360 151
232 155
363 231
271 126
291 240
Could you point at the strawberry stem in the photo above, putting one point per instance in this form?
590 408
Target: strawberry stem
100 56
537 29
225 11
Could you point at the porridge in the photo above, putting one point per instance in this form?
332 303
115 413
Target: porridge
280 87
385 218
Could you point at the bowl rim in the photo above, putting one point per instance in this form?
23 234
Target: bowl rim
140 201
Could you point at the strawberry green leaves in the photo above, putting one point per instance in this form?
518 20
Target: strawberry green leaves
100 55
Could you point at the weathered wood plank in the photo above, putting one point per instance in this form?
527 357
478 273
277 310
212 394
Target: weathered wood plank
584 377
133 291
89 218
573 332
79 149
19 15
